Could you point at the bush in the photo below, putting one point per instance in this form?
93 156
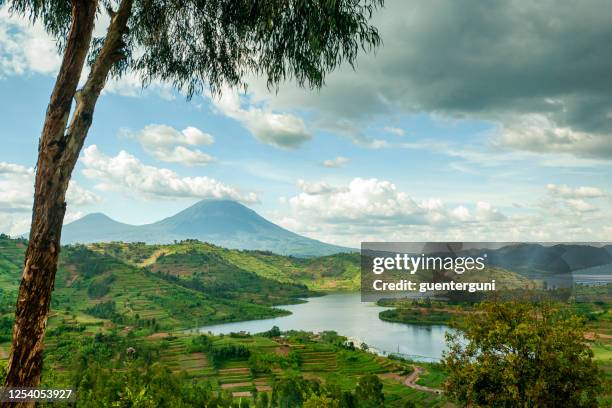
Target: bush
104 310
99 288
227 352
201 344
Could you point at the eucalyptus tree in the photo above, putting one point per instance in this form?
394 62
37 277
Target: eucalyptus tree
196 46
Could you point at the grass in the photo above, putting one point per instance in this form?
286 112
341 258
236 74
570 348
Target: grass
433 376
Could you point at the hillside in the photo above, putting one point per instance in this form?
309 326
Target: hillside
190 258
222 222
97 286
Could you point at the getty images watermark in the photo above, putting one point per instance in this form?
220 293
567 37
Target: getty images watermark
479 270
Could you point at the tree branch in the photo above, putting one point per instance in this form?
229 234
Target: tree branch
86 98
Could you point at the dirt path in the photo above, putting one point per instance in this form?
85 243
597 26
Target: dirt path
411 380
153 258
594 336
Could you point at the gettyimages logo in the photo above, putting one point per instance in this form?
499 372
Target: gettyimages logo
412 264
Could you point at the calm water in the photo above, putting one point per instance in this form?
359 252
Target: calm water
347 315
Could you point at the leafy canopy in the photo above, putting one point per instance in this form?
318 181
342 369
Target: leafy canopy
518 354
198 45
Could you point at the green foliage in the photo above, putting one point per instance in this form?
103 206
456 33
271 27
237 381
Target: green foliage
100 287
321 401
416 316
518 354
197 45
220 354
104 310
200 344
262 363
2 371
291 392
262 400
154 386
369 392
273 332
6 328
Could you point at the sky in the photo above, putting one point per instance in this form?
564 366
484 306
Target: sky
474 121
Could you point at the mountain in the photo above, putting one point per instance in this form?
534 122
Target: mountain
221 222
532 258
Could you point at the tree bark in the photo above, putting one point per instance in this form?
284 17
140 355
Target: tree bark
58 152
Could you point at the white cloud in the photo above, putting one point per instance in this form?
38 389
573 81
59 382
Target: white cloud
538 133
80 196
574 198
461 213
25 47
316 188
168 144
374 203
17 186
335 163
12 168
276 129
395 130
125 172
580 205
373 209
563 190
486 212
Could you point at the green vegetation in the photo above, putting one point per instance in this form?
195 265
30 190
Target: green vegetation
110 367
416 316
422 311
118 310
332 273
519 354
182 290
589 303
115 333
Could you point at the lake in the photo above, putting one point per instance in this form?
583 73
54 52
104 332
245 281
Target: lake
347 315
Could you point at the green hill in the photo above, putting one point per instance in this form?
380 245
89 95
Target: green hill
208 262
91 284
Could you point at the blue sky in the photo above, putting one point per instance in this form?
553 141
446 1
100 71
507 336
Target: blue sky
419 143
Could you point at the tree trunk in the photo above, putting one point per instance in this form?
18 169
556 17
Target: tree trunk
57 155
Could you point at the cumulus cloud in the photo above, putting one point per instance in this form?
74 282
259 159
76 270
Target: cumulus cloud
80 196
276 129
580 205
563 190
128 173
539 134
25 47
336 162
12 168
17 186
167 144
377 202
501 61
316 188
574 199
377 210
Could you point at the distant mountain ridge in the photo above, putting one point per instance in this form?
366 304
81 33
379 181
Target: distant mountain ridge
221 222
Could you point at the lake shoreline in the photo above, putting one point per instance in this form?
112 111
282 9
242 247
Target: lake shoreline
345 314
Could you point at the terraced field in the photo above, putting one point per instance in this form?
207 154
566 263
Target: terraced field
313 360
175 356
